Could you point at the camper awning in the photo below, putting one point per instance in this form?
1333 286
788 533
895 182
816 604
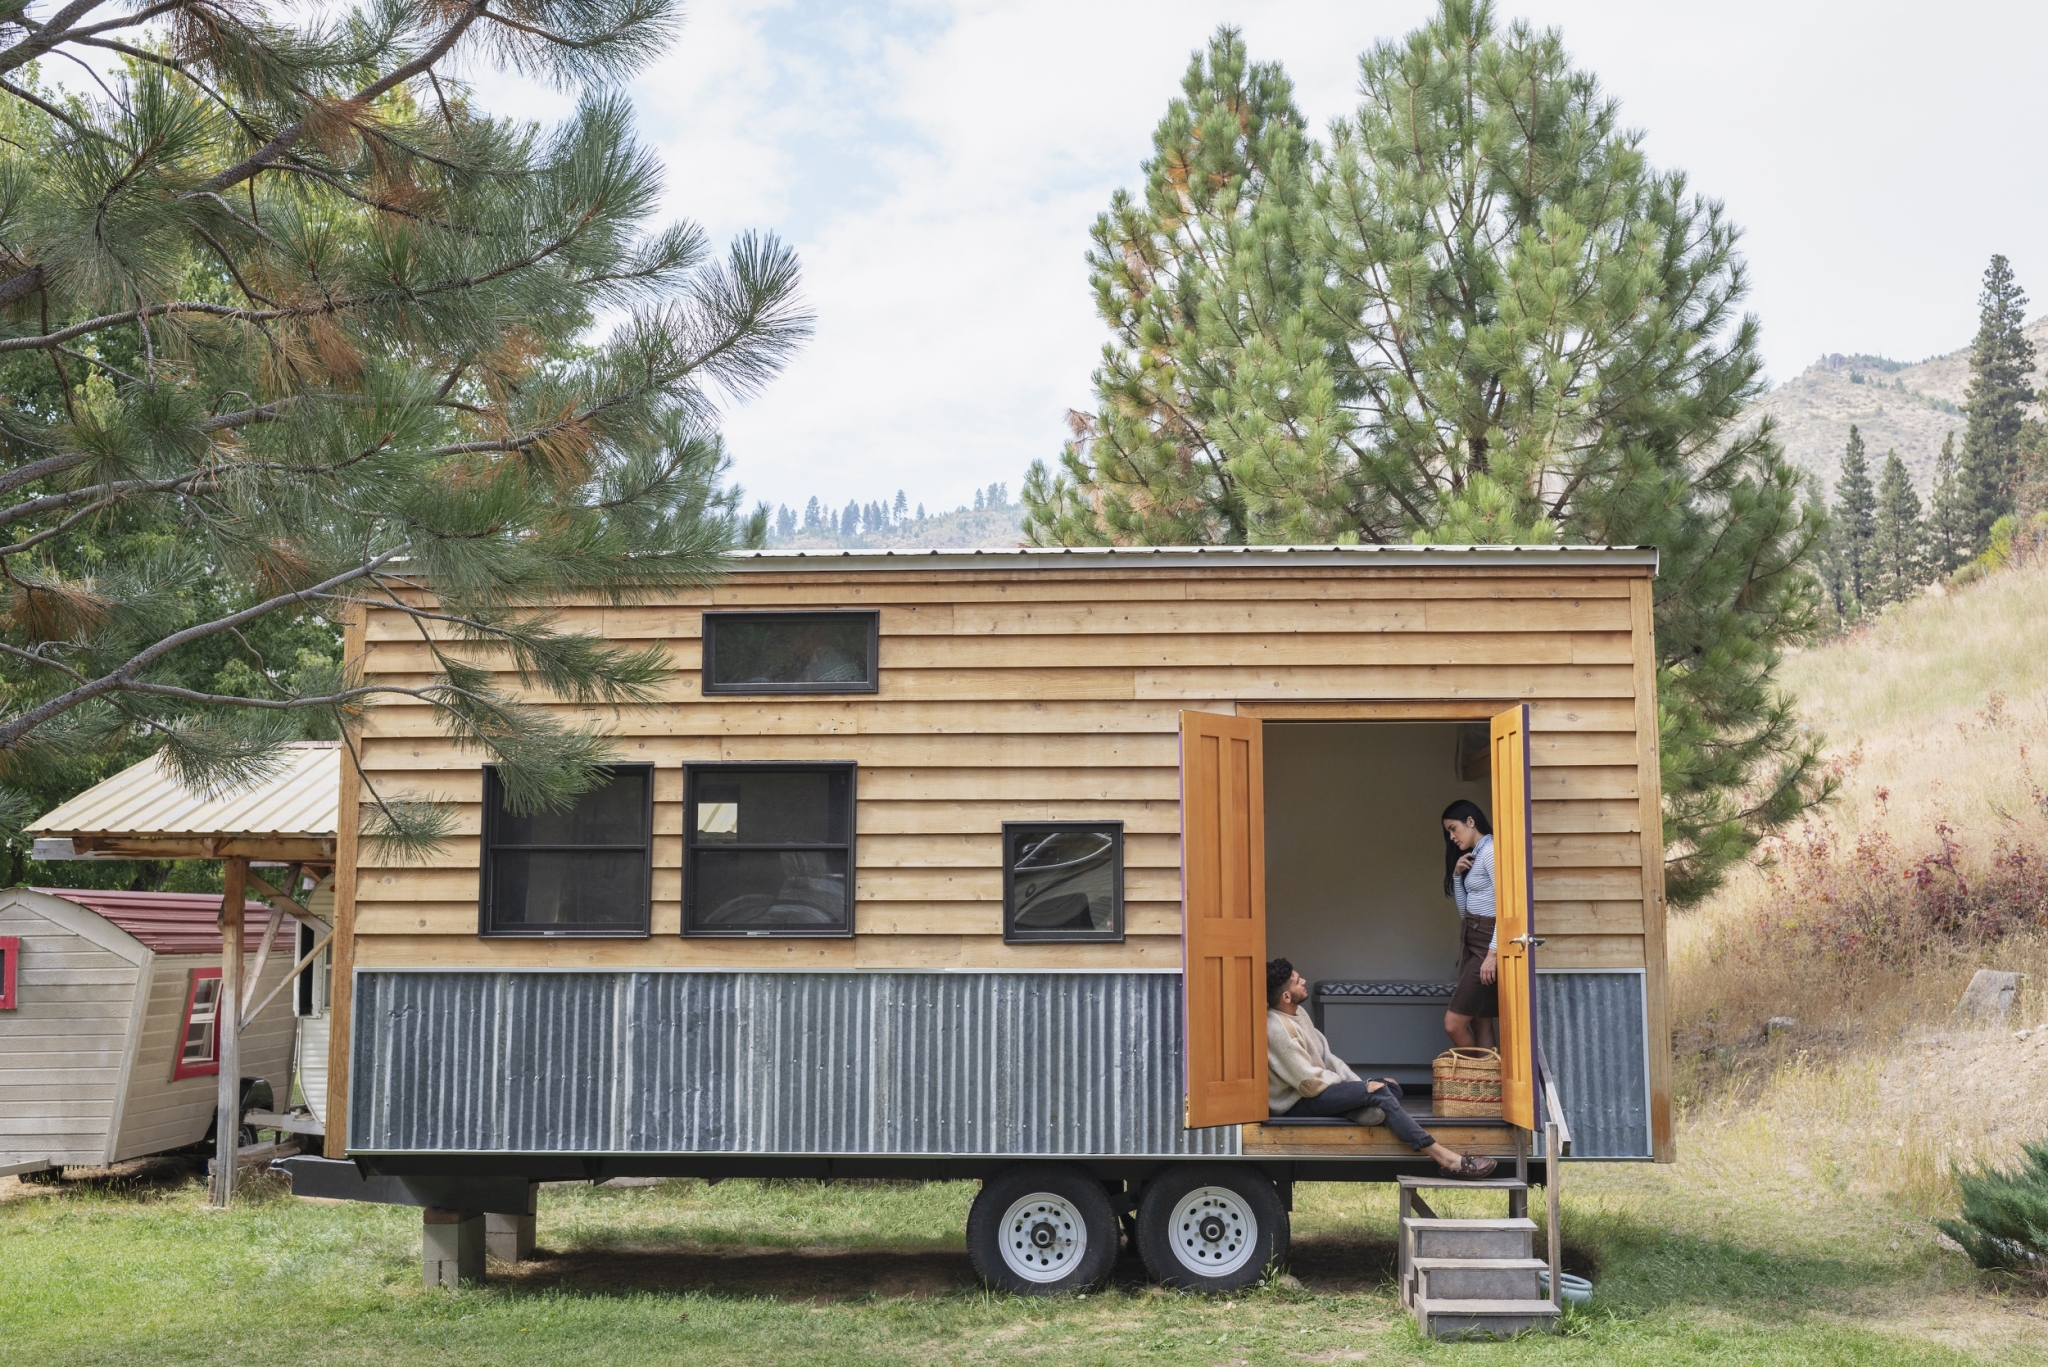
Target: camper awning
143 812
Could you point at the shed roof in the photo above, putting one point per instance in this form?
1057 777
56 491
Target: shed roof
1186 557
145 800
174 922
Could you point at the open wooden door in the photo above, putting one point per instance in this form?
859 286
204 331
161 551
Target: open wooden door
1513 859
1223 920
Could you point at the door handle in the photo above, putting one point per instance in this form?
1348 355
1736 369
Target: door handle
1527 941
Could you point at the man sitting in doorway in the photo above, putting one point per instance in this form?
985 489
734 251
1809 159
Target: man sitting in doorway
1306 1079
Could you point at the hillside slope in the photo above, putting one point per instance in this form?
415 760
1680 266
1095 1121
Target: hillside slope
1931 863
1907 407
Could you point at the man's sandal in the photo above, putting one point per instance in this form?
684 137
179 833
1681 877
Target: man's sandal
1472 1168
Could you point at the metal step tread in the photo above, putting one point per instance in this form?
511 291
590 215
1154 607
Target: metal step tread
1480 1264
1437 1306
1477 1184
1513 1222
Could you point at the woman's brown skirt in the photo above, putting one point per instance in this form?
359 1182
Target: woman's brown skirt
1473 997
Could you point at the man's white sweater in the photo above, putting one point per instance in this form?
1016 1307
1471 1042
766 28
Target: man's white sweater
1298 1061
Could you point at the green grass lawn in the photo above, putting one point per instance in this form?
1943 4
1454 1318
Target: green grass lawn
1690 1268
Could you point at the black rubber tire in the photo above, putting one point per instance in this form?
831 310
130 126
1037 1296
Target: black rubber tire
1158 1241
985 1232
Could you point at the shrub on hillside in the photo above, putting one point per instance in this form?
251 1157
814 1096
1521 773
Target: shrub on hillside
1855 898
2004 1222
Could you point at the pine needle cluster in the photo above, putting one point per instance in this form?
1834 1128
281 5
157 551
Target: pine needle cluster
309 323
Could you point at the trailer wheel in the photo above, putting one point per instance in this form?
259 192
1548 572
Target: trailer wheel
1042 1229
1211 1227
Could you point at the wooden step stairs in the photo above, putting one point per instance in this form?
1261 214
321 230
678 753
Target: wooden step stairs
1472 1278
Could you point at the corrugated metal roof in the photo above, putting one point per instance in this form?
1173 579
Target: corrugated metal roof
175 922
1185 557
144 800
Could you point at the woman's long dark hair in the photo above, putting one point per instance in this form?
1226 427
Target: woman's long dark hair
1462 810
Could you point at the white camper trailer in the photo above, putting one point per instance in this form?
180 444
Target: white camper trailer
109 1038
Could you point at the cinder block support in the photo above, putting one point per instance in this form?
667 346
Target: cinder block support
452 1247
509 1238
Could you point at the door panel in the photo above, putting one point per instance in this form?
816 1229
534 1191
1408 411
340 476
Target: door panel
1513 859
1223 940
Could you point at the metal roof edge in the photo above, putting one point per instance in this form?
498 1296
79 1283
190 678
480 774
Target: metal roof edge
1182 557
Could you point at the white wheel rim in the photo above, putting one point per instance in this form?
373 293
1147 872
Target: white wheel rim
1213 1231
1043 1237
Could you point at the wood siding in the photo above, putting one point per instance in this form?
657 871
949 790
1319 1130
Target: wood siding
160 1113
62 1047
1045 693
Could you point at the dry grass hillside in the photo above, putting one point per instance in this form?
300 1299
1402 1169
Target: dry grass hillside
1908 407
964 528
1871 918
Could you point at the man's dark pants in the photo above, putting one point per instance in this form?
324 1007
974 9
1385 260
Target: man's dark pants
1343 1098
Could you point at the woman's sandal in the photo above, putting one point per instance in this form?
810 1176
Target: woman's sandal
1471 1168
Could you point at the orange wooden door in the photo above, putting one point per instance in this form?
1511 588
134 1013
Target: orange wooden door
1513 857
1223 917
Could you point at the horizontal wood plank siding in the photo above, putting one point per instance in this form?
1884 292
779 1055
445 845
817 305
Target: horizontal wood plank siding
1043 693
61 1047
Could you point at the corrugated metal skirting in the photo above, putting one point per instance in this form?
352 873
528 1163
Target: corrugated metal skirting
1591 1028
825 1063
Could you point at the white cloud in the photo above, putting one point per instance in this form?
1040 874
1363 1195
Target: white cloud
938 165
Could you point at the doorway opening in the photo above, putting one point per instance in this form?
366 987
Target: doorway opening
1355 879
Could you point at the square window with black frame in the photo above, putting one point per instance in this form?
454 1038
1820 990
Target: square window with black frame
585 870
791 652
1063 880
768 849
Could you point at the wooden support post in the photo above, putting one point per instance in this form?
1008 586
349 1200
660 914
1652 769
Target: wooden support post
1552 1143
341 976
1518 1201
227 1036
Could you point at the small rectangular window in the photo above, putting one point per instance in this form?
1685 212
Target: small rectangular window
10 962
768 849
1063 880
587 870
791 652
199 1039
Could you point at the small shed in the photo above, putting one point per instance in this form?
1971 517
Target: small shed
109 1040
276 839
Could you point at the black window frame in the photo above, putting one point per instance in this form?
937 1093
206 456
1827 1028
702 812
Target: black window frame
1114 935
488 846
708 663
692 773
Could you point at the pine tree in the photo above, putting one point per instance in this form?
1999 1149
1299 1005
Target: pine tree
1949 523
1854 525
920 512
309 318
1477 314
977 500
814 514
2001 385
1899 547
1827 561
902 506
785 522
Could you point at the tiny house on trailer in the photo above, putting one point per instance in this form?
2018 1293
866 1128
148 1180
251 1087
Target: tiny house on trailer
109 1006
967 865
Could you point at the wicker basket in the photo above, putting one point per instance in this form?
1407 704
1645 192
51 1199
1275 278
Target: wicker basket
1466 1082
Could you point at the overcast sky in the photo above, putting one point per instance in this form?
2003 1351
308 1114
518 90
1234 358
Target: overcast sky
937 167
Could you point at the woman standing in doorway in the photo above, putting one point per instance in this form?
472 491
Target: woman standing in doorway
1468 878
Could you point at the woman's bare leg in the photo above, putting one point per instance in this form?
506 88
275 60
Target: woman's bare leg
1459 1028
1486 1032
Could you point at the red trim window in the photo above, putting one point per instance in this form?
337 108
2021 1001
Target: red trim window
199 1041
10 960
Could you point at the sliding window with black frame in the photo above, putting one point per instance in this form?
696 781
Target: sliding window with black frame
768 849
585 870
791 652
